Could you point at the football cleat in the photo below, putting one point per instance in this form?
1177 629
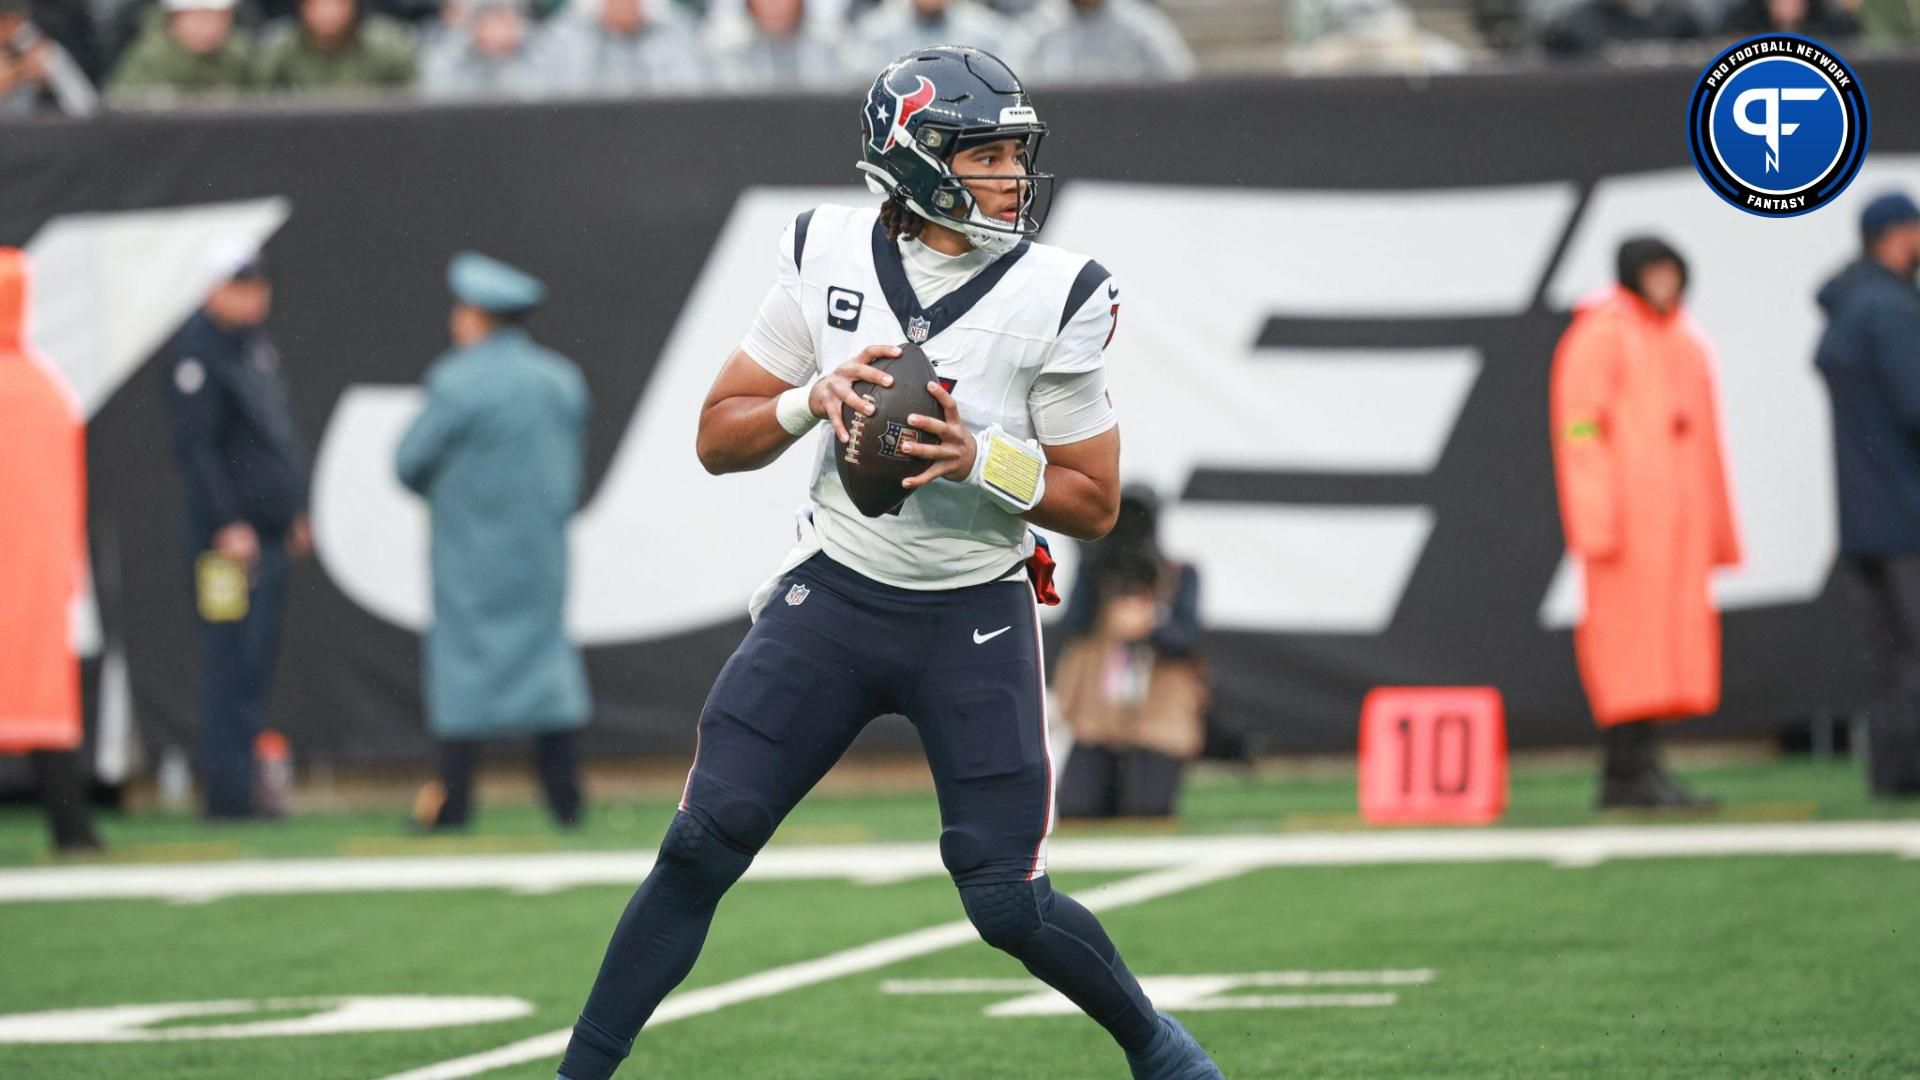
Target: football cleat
1173 1055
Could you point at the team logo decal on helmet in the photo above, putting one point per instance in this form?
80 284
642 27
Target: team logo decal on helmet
904 106
934 103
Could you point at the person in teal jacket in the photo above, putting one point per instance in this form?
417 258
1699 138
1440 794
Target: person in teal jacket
497 453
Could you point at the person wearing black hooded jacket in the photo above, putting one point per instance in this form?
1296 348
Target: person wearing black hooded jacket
1870 359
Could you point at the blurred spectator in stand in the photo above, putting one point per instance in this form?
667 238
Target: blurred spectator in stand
1647 510
776 48
616 48
192 48
332 45
407 11
43 560
245 475
494 50
1130 682
897 27
1593 25
37 73
118 24
1108 41
1814 18
498 454
1367 35
1890 23
1870 358
72 24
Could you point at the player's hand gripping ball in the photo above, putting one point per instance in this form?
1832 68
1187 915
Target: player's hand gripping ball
874 457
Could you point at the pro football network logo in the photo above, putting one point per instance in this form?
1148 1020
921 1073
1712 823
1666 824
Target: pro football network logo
1778 125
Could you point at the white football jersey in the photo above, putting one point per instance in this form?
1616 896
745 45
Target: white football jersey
1035 311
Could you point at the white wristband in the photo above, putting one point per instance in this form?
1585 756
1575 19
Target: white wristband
1013 471
794 412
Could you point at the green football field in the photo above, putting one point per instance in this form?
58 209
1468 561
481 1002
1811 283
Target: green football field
1754 965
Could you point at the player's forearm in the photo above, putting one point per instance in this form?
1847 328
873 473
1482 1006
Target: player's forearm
740 434
1076 504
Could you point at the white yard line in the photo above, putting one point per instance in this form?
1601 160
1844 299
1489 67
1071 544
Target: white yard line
878 863
1391 977
876 954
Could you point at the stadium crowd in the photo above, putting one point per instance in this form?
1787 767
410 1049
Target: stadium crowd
161 53
66 56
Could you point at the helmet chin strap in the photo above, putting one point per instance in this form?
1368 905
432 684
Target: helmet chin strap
977 229
993 241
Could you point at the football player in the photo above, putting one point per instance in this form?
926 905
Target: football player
929 610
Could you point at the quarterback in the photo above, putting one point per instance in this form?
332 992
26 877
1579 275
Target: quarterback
928 609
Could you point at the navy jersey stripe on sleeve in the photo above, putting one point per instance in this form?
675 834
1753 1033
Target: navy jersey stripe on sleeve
800 236
1091 275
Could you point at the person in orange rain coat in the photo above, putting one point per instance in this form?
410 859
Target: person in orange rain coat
1646 508
43 551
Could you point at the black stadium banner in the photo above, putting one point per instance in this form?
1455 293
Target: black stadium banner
1341 300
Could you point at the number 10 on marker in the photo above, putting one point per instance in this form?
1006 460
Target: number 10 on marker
1433 755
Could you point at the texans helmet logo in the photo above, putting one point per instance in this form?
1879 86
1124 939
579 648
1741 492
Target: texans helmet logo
904 106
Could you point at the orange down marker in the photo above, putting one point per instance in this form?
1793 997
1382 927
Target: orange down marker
1433 755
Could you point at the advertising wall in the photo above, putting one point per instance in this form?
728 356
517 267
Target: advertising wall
1341 301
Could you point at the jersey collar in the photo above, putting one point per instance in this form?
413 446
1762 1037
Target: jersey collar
949 308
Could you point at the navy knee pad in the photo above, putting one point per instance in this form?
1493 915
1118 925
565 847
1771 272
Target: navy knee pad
698 858
742 825
1007 914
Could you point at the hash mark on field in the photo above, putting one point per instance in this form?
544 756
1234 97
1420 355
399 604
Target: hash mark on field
688 1003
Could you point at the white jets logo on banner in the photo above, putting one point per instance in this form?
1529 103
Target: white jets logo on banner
1200 390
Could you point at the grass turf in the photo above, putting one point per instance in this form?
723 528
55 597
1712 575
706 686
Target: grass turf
1685 968
1734 967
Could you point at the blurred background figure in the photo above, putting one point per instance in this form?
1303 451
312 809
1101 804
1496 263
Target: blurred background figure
43 559
244 471
1130 682
1830 22
37 73
1646 510
1890 24
617 48
493 49
1591 26
775 48
1870 359
897 27
189 47
498 454
1108 41
1368 35
334 45
406 11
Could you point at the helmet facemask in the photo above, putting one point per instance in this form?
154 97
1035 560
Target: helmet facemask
956 206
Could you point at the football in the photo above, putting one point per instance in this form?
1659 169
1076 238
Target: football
870 463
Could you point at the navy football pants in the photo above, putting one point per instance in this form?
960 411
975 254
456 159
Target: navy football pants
832 650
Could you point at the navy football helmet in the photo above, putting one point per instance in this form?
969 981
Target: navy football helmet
936 101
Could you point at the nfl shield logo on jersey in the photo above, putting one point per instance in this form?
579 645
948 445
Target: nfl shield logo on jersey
918 329
797 595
